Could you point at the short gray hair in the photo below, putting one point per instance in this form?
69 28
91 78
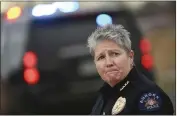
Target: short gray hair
116 33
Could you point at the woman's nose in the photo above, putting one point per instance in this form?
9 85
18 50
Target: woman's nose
109 62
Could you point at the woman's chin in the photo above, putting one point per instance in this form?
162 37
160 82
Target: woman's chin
113 80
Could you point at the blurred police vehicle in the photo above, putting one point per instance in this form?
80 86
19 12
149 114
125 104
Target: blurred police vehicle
46 61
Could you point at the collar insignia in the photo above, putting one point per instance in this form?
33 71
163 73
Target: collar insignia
124 85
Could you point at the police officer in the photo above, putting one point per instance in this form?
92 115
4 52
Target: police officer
126 90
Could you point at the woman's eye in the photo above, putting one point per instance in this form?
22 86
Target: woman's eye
100 58
115 54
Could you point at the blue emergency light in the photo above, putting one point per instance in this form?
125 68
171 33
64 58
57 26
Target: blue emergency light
103 19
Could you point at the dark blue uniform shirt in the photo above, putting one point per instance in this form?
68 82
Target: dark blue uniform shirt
135 95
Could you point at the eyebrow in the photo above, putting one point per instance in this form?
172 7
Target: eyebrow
113 50
98 55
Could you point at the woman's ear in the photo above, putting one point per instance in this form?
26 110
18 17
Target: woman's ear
131 55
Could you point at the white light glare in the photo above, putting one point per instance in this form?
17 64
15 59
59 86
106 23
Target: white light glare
67 6
43 10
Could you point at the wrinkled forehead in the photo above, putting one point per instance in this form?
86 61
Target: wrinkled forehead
108 44
108 47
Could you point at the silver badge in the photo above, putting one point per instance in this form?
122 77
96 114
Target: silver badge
119 105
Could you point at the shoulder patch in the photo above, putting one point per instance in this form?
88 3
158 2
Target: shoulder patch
150 101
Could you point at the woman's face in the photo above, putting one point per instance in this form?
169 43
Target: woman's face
112 62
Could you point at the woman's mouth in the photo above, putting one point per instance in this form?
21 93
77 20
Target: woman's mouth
111 72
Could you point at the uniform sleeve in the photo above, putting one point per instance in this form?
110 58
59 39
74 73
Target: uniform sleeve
154 103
